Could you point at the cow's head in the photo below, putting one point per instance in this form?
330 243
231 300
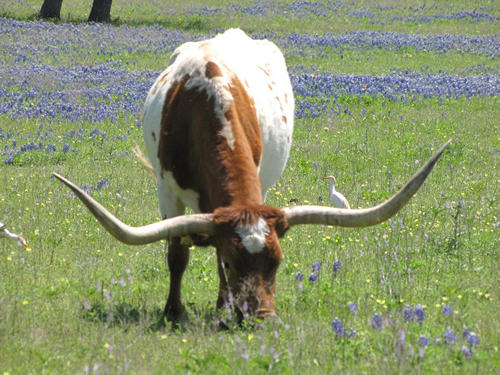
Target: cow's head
249 253
246 238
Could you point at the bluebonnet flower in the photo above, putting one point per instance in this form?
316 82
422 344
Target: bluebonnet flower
313 277
470 337
419 313
473 340
339 330
353 308
316 267
90 93
466 352
104 182
465 333
377 321
336 266
423 341
299 276
337 326
446 309
449 336
408 313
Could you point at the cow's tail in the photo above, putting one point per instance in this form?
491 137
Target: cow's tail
144 160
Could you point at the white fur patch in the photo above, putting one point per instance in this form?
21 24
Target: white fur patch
170 195
253 236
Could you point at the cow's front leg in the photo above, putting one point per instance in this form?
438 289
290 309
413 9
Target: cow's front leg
178 258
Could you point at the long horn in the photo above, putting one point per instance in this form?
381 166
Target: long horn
366 216
173 227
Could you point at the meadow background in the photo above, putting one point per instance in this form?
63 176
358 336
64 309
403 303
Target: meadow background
379 86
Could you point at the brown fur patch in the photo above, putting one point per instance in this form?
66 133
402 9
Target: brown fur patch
192 148
162 81
164 77
279 101
153 90
212 70
243 111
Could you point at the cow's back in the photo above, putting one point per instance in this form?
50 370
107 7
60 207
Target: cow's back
260 68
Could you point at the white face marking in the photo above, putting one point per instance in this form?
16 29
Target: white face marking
253 236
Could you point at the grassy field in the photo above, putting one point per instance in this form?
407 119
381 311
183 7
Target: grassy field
379 86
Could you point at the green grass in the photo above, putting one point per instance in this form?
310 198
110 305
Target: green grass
56 320
442 248
352 61
174 14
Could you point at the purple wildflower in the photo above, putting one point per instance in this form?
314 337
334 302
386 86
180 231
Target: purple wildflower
401 343
466 352
274 353
446 309
107 294
449 336
353 307
351 334
316 267
299 276
337 327
376 321
313 277
472 339
423 341
419 313
336 266
408 313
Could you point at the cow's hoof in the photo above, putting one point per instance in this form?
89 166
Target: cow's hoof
174 313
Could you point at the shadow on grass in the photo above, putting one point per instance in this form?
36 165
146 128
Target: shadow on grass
121 314
125 315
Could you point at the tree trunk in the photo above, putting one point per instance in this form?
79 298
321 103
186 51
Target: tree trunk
51 9
100 12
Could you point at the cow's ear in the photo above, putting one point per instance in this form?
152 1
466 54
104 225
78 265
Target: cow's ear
281 225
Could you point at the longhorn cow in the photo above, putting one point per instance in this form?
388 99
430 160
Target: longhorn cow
218 127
